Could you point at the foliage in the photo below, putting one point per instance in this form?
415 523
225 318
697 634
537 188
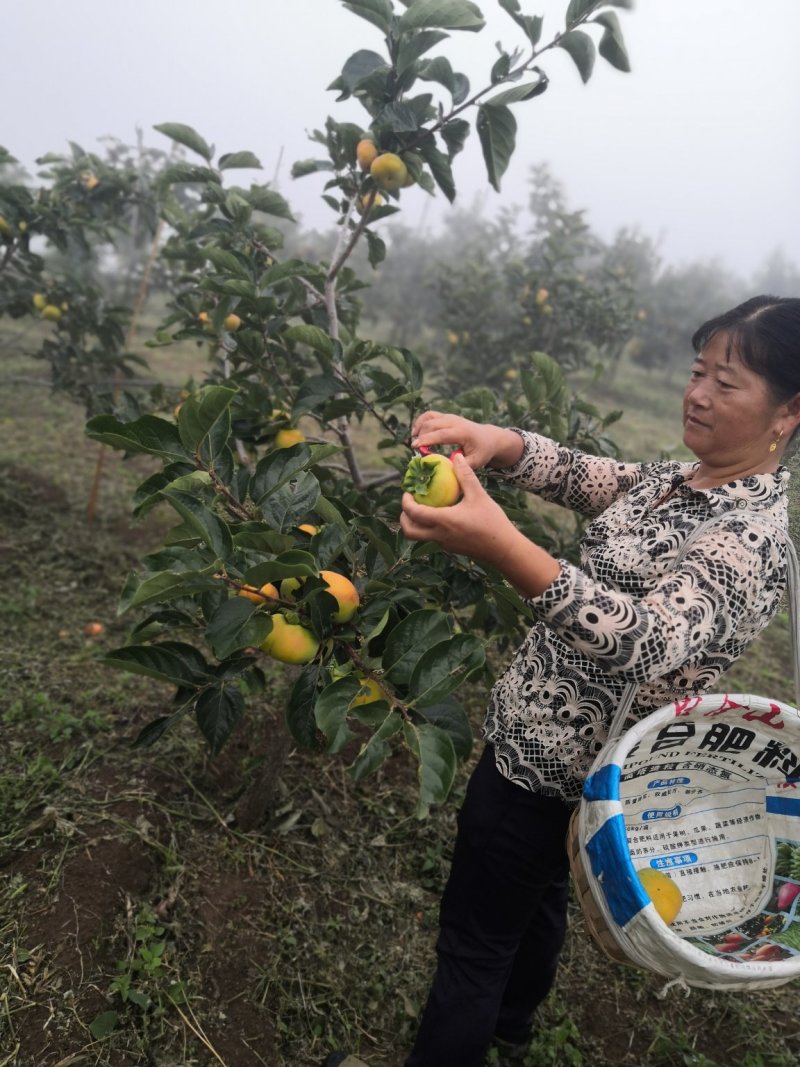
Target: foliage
285 353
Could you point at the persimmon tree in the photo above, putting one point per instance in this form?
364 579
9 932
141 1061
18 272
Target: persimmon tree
286 353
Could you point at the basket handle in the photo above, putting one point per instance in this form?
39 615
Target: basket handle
793 569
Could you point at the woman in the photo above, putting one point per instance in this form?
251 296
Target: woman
625 614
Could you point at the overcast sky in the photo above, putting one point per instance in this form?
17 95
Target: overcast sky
699 146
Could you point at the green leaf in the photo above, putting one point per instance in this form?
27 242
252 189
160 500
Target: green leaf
612 43
378 12
150 733
451 717
226 261
291 268
238 623
270 202
578 9
454 134
531 24
309 166
581 47
517 93
180 173
206 525
412 46
360 66
300 709
436 757
277 468
292 564
218 710
147 434
313 336
103 1024
442 14
287 506
168 661
409 640
239 160
444 667
166 585
374 751
440 168
497 130
376 248
331 708
200 413
315 392
186 136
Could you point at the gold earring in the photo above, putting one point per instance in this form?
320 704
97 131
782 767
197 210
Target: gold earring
774 446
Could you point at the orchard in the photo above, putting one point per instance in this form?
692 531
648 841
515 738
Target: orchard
266 447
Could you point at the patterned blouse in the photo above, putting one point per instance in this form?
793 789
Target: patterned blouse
624 614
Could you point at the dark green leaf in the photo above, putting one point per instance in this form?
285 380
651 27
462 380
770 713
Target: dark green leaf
612 43
376 248
300 709
287 506
309 166
361 66
239 160
497 130
218 710
277 468
314 392
397 118
147 434
238 623
409 640
313 336
578 9
166 585
179 173
412 46
150 733
581 47
201 412
102 1026
442 14
168 661
186 136
374 751
517 93
454 134
331 708
436 757
206 525
270 202
440 168
451 717
378 12
292 564
444 667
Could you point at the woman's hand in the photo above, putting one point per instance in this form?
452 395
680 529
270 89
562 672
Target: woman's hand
483 445
478 527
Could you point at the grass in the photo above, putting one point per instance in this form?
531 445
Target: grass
140 925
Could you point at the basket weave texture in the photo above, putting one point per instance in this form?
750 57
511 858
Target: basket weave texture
593 917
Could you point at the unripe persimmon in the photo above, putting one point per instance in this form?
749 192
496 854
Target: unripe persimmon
388 171
51 313
432 481
366 153
370 692
345 592
232 322
289 642
288 437
260 596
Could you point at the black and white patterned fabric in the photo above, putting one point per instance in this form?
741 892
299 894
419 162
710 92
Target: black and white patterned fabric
624 615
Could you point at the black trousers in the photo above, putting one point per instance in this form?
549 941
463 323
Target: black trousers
502 921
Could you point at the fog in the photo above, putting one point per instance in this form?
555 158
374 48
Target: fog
698 145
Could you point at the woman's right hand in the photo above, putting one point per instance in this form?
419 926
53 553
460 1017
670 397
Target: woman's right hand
482 444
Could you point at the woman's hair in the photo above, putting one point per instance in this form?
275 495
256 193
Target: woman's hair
765 333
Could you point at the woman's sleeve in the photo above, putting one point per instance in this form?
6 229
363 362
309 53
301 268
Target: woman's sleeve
731 574
577 480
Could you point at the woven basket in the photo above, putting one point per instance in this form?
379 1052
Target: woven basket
708 791
592 916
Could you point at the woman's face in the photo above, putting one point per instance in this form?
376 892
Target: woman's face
729 415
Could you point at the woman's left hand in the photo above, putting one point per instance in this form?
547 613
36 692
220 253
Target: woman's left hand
476 526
